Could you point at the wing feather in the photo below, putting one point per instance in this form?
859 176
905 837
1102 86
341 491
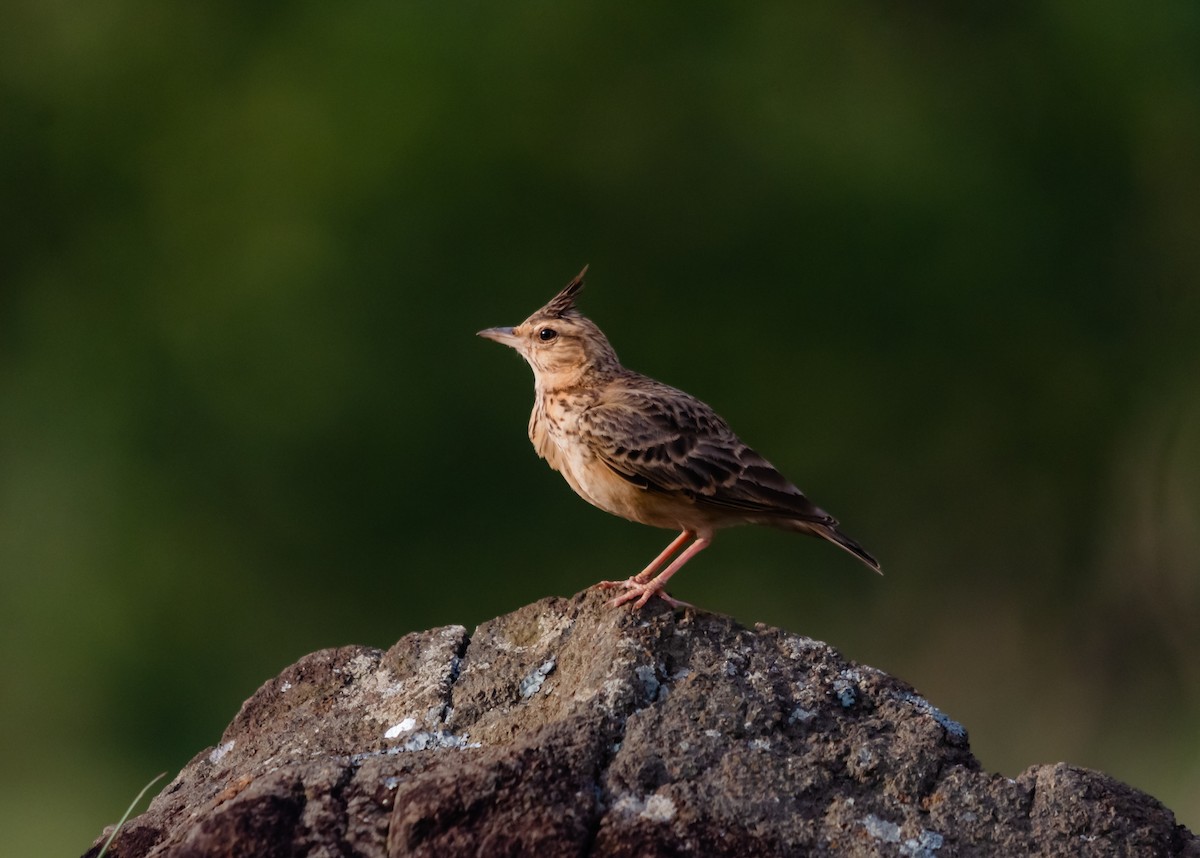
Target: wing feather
664 440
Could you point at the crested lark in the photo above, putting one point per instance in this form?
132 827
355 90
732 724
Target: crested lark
647 452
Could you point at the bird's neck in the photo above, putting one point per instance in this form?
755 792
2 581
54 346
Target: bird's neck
575 380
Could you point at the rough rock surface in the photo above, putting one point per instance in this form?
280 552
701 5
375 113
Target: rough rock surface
565 728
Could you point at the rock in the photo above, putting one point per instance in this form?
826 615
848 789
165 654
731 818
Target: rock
566 728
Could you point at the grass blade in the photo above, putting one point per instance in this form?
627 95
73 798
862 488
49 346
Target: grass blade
128 811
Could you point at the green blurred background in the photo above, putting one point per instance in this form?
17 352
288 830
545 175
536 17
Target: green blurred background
940 265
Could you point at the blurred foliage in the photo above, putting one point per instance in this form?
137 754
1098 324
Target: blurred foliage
939 263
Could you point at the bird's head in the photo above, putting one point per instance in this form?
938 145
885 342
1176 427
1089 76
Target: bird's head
561 345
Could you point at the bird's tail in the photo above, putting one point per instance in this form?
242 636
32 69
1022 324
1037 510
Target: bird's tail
841 540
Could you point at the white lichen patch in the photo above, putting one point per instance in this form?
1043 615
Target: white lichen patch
846 692
881 829
797 646
952 727
658 808
924 845
218 752
403 727
801 714
760 744
655 808
285 687
533 681
846 687
649 679
436 740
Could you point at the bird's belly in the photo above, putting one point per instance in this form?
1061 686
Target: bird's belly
596 483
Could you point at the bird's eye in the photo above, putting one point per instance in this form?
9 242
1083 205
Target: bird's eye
547 334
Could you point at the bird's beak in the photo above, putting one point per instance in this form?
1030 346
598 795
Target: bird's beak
504 336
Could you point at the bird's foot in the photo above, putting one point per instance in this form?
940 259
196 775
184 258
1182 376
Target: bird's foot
642 591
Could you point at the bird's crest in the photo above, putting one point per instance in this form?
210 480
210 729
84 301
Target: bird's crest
563 304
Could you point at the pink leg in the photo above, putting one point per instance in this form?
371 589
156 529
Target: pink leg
641 577
643 590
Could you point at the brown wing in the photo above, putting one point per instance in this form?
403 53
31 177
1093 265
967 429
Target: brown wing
665 440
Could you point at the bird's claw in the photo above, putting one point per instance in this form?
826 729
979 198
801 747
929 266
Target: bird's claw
642 591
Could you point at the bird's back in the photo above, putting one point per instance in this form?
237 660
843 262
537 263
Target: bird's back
666 441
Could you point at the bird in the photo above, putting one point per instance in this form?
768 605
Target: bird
648 452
